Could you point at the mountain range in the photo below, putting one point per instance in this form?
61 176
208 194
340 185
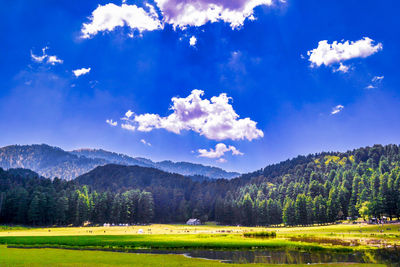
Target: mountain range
316 188
50 162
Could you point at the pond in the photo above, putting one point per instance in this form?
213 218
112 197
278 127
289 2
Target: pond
384 256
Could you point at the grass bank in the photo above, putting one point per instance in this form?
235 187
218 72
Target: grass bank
200 241
59 257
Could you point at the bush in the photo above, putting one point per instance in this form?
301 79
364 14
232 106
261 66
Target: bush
261 234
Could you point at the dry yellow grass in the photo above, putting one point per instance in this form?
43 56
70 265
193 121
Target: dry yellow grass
342 230
130 230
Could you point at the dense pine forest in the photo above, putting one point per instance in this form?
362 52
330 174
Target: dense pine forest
318 188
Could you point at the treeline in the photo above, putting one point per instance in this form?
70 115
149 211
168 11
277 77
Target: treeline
318 188
28 199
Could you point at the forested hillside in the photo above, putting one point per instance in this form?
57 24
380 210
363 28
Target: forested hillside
27 199
318 188
47 161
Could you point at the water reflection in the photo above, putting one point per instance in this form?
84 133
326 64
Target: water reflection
384 256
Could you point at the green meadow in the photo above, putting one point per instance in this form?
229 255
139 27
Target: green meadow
60 257
200 241
102 246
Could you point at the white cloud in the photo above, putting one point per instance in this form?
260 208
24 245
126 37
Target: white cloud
178 13
184 13
128 127
337 109
110 16
39 59
145 142
128 114
378 78
193 41
82 71
342 68
219 151
112 123
221 160
52 60
215 118
328 54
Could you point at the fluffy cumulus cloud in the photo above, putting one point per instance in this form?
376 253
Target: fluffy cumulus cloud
110 16
45 58
218 152
178 13
184 13
193 41
338 52
111 123
337 109
215 119
82 71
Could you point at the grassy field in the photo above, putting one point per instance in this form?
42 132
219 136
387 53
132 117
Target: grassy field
332 238
58 257
200 241
346 231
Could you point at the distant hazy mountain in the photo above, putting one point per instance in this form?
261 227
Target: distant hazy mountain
184 168
53 162
112 157
47 161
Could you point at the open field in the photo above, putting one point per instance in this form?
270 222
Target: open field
59 257
390 232
317 239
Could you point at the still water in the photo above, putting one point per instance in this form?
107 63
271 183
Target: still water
384 256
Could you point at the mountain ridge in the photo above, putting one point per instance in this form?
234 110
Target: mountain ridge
181 167
50 161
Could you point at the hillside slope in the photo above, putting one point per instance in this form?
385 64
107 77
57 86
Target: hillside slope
47 161
318 188
184 168
53 162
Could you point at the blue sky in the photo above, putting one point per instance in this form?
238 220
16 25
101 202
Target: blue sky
269 60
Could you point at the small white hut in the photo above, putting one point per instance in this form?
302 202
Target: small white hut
193 222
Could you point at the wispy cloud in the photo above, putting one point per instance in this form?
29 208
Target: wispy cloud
128 127
111 123
342 68
145 142
337 109
45 58
378 78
